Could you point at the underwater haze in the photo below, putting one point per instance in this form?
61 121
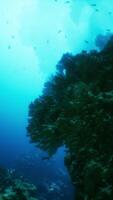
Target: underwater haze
34 34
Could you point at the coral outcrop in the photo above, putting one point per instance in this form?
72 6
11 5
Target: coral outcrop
15 189
76 110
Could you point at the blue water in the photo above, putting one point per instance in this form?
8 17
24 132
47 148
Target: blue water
33 37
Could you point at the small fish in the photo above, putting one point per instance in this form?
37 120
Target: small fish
97 10
59 31
108 30
9 47
109 13
67 1
34 48
86 41
12 36
94 4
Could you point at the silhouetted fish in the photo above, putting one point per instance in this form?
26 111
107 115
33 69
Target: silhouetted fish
108 30
93 4
12 36
67 2
34 48
97 10
47 41
9 47
59 31
109 13
86 41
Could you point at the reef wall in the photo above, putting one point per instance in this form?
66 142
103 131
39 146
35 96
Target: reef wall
76 110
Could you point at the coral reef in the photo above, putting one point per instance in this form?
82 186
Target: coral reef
76 110
101 40
15 189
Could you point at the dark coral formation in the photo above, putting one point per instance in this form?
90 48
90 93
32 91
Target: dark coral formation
101 40
15 189
76 110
